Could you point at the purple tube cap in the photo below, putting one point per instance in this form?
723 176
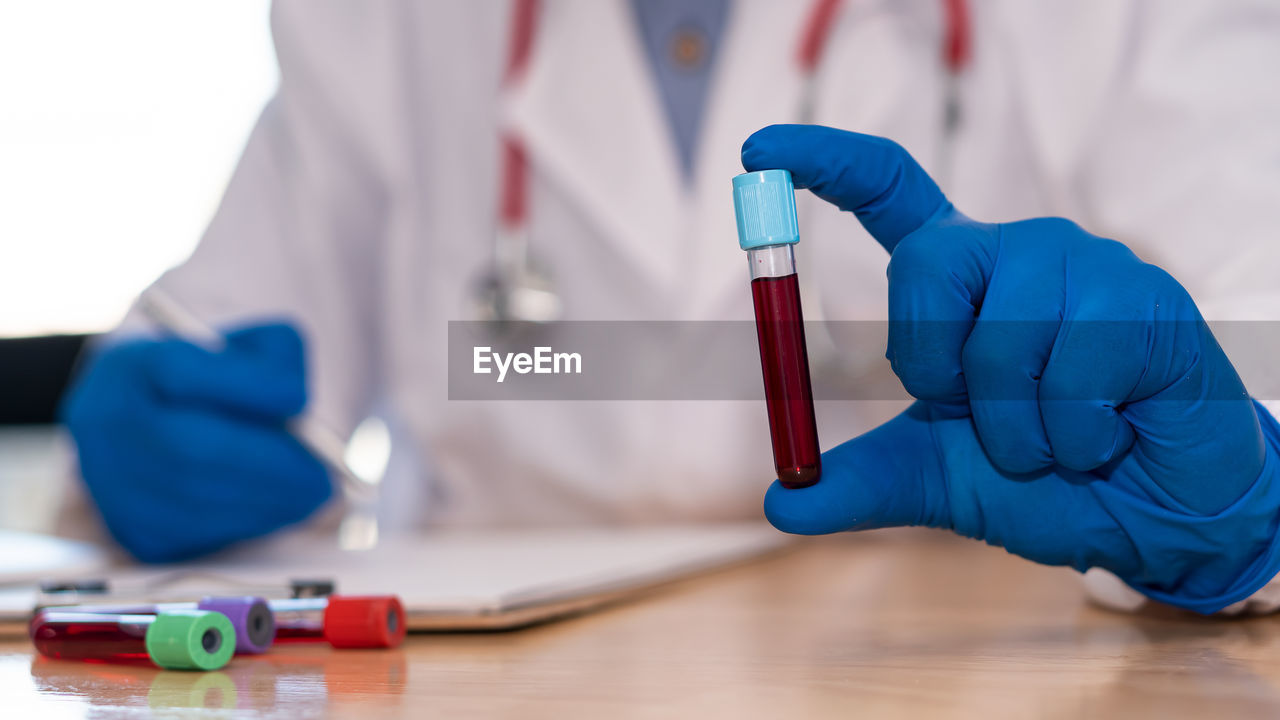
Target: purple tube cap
251 617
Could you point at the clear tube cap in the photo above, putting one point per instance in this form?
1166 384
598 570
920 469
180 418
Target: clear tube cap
765 205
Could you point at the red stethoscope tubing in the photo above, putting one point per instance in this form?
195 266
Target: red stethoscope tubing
515 166
513 201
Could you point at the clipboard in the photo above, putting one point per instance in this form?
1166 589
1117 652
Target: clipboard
449 581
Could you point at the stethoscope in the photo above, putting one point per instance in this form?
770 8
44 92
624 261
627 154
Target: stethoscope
516 287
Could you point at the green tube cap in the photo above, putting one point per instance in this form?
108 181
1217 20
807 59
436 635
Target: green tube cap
191 640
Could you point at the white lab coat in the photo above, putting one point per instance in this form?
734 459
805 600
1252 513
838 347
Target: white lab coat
365 202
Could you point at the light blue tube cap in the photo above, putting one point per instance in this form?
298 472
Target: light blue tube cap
765 203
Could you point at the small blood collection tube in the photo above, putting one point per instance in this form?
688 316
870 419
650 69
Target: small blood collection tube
255 627
765 205
177 640
345 621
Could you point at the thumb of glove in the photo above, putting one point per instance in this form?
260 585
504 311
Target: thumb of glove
888 477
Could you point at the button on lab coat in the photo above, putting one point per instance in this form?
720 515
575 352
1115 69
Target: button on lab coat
365 203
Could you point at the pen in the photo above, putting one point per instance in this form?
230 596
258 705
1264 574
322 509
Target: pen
320 440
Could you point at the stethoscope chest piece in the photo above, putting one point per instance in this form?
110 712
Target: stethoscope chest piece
516 288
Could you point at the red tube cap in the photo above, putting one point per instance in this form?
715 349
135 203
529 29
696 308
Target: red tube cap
370 621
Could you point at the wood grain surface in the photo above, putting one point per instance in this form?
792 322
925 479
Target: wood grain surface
904 624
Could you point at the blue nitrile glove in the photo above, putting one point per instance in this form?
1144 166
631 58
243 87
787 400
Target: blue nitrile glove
185 450
1074 407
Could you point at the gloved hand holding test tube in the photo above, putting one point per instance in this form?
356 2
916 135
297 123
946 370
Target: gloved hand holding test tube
1073 405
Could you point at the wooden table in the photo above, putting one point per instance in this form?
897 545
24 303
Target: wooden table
903 624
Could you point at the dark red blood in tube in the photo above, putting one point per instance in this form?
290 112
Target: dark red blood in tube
787 391
89 640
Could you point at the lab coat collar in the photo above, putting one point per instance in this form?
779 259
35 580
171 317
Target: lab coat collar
591 119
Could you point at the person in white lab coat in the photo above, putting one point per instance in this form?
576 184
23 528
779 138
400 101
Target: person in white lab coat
362 213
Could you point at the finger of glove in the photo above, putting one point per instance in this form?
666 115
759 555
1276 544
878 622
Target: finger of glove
1003 363
1100 355
872 177
260 373
1095 367
890 476
937 280
186 482
1005 355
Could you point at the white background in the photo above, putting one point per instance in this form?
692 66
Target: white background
120 123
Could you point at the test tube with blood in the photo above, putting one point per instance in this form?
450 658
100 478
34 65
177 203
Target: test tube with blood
177 640
765 205
345 621
254 624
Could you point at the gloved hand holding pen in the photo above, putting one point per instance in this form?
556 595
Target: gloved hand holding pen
186 450
1073 408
